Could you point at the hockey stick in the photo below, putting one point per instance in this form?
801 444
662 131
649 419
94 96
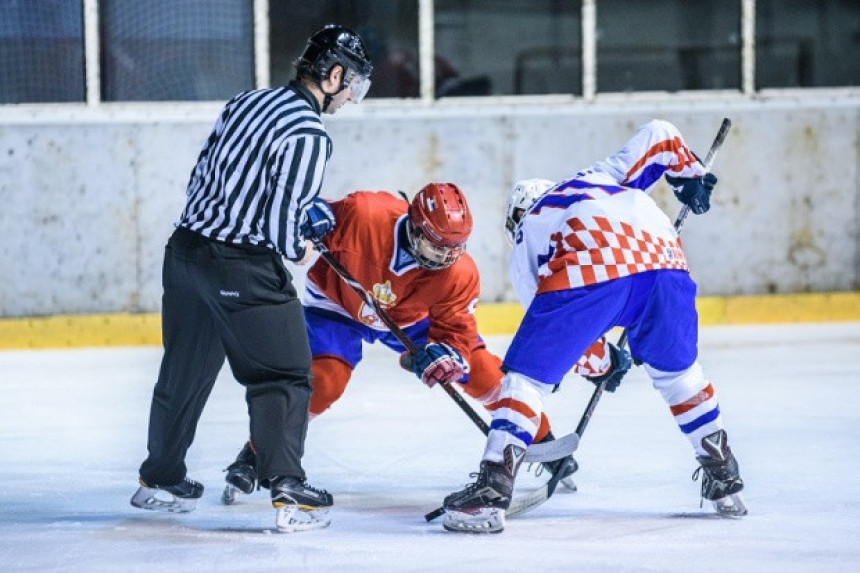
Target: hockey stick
547 451
725 126
536 497
394 328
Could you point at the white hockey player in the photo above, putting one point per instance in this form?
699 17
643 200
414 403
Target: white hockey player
590 253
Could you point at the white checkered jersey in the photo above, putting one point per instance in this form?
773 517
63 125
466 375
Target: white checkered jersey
602 224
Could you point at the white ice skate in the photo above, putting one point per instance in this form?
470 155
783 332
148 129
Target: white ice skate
300 506
179 498
483 520
730 506
292 518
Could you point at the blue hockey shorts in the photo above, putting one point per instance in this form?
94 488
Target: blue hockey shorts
657 307
332 334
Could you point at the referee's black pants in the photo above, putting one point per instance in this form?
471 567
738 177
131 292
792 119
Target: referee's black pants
237 302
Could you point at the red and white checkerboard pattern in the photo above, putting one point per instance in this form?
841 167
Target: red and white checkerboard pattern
594 250
596 360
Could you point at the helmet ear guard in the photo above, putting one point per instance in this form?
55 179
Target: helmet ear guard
439 225
522 197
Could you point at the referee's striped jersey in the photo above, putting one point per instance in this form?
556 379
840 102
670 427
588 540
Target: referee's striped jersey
259 170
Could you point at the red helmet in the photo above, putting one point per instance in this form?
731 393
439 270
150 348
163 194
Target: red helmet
440 224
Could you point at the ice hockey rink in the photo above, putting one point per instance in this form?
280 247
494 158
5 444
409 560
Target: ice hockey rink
73 432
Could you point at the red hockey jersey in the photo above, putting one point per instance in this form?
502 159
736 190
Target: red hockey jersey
368 240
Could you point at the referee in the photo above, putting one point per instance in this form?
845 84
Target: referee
251 201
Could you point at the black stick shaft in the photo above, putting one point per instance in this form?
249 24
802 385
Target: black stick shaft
725 126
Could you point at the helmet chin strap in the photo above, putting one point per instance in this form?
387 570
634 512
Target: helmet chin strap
329 97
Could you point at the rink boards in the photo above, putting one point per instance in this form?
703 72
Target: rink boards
69 331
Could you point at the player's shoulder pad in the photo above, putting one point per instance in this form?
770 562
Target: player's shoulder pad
464 271
373 204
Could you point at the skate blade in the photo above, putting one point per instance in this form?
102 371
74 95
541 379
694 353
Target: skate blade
730 506
292 518
569 484
487 520
228 497
155 499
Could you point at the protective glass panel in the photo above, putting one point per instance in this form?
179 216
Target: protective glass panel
668 45
180 50
505 47
389 29
41 51
807 43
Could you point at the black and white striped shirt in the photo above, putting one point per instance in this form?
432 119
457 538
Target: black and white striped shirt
259 170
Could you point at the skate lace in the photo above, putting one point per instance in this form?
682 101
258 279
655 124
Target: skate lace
538 470
696 473
190 482
316 490
475 484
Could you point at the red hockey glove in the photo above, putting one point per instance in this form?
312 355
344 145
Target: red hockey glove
436 362
620 364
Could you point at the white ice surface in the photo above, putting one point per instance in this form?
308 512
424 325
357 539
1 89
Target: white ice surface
73 429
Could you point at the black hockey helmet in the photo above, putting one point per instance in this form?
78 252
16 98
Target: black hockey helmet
331 45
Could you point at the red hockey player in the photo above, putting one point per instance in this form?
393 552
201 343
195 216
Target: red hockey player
411 256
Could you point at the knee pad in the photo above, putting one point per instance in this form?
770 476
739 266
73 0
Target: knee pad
692 401
485 385
517 414
676 387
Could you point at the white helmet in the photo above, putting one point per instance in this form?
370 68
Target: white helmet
523 195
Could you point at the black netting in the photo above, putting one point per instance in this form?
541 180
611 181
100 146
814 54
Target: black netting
41 51
181 50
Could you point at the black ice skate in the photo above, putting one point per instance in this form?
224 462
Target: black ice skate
241 475
179 498
721 480
300 506
480 507
566 466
